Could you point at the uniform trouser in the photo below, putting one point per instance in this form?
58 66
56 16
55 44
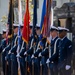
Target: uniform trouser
44 69
29 65
22 65
53 69
62 69
8 65
44 66
36 66
3 64
14 65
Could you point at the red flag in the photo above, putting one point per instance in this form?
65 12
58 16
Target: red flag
25 34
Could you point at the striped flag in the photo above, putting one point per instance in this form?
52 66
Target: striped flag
43 17
47 18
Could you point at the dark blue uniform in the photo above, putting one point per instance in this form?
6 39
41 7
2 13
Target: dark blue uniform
44 56
64 59
3 45
31 51
54 56
5 52
22 57
13 50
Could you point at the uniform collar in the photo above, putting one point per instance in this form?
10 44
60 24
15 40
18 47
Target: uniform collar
54 38
63 38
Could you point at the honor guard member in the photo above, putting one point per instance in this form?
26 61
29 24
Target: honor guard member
3 45
13 51
35 59
28 62
53 58
10 52
43 67
20 54
32 49
65 52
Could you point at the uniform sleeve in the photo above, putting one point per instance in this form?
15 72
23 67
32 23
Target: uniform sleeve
45 52
30 51
55 56
69 50
37 52
14 48
23 49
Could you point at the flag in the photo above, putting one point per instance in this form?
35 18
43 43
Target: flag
10 18
19 33
25 34
43 17
47 18
34 16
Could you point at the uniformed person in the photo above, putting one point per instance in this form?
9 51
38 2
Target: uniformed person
10 50
20 54
44 57
28 62
53 58
65 52
3 45
35 54
34 42
13 51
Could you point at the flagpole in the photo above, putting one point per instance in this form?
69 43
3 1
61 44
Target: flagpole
51 23
20 12
34 32
20 23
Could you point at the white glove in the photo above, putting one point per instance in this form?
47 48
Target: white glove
47 61
9 52
67 67
25 53
18 55
39 55
3 50
32 56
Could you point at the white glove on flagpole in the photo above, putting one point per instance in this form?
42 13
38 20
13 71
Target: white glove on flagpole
18 55
25 53
32 56
39 55
67 67
48 61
